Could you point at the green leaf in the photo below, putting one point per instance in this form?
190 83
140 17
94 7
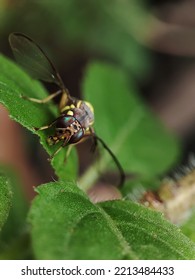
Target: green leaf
5 199
137 138
188 228
17 216
63 217
14 83
150 235
14 240
92 30
75 227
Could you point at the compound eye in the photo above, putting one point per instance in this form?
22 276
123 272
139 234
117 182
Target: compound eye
77 136
64 121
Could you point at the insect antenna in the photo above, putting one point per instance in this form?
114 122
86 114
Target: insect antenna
121 171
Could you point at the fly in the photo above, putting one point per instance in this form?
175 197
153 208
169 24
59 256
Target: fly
76 117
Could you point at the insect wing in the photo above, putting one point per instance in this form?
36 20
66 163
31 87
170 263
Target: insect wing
33 59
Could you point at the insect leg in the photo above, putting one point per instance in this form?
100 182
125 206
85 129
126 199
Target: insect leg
60 147
90 133
45 126
121 171
55 153
44 100
68 152
94 145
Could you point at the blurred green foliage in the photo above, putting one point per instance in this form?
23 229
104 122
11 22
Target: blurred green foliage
5 199
14 237
85 28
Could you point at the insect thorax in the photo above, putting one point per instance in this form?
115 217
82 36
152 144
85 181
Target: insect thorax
82 111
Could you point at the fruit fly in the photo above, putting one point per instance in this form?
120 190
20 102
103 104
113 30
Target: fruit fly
76 119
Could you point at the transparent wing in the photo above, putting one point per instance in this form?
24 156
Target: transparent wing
33 59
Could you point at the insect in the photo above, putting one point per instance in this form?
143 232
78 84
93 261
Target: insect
76 119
